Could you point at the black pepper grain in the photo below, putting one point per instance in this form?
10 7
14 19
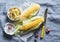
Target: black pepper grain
35 40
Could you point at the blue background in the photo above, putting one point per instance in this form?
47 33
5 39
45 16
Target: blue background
53 19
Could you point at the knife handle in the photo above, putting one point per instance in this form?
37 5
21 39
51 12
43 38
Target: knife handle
42 32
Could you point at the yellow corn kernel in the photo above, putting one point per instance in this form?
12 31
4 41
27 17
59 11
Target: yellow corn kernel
33 8
31 24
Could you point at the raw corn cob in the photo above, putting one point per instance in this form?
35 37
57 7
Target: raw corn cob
42 32
35 21
31 24
29 11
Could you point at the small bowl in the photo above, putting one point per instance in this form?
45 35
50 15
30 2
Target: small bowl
9 30
13 13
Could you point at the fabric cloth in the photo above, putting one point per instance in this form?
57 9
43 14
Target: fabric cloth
53 19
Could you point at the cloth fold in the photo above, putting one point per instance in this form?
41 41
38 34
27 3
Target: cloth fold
53 18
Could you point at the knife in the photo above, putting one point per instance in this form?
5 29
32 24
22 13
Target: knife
43 27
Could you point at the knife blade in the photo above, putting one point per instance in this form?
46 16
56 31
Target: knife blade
45 15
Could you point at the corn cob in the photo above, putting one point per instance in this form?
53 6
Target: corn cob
31 24
42 32
29 11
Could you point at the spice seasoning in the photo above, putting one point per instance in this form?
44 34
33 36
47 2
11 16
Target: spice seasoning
35 40
47 31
